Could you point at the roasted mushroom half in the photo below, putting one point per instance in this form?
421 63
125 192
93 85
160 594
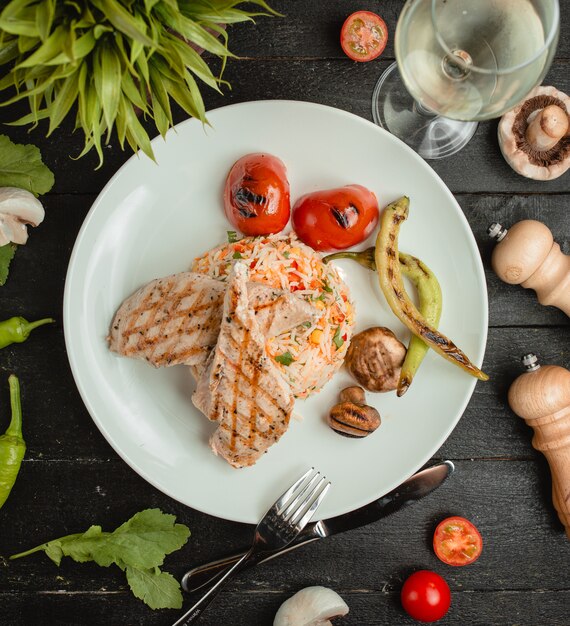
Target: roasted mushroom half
352 417
375 359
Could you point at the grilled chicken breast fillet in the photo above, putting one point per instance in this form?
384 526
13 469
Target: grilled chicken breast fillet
250 399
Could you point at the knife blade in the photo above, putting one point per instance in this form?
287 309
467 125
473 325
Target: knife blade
410 491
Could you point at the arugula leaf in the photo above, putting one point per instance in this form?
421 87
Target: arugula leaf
143 541
7 253
138 547
21 166
160 590
285 359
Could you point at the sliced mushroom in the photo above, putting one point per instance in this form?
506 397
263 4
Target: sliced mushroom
352 417
312 606
375 357
534 137
18 208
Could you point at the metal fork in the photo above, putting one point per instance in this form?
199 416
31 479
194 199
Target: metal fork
278 528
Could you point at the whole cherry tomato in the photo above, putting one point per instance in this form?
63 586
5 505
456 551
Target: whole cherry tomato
456 541
335 219
363 36
256 195
425 596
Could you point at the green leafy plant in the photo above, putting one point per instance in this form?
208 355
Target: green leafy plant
109 60
138 547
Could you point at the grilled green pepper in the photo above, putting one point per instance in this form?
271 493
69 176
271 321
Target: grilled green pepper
12 445
17 329
392 286
430 304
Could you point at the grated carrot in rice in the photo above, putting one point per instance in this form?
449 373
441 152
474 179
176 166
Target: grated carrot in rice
284 262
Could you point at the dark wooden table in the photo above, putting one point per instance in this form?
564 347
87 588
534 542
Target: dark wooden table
72 478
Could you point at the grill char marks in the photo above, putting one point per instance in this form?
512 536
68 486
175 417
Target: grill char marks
169 321
176 320
250 400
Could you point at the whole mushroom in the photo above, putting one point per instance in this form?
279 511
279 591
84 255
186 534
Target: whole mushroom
375 357
312 606
533 136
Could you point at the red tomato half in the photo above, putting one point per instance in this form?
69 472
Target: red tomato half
363 36
425 596
335 219
456 541
256 196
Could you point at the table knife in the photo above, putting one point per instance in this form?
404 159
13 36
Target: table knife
410 491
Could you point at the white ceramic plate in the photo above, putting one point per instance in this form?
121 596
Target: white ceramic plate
151 220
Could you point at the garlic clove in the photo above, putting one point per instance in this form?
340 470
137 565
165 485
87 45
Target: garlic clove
312 606
18 208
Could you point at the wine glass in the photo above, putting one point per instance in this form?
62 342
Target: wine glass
460 61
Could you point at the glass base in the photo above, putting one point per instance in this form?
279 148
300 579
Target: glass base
430 135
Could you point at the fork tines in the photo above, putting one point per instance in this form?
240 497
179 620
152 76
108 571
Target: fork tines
297 505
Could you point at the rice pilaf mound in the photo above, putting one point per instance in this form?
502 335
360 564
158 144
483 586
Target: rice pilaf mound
310 354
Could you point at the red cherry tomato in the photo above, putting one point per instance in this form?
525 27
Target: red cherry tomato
256 196
363 36
456 541
425 596
335 219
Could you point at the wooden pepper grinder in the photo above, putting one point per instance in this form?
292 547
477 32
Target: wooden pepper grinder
541 396
527 255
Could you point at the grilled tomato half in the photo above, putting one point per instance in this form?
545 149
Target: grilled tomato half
256 195
336 219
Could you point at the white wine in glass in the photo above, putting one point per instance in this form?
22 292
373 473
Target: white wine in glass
460 61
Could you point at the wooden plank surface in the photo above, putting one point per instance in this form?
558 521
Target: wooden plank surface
71 476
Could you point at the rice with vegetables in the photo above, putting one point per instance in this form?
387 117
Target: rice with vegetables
310 354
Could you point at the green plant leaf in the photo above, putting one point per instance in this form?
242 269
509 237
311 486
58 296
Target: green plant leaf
123 20
66 96
51 48
136 134
7 253
159 590
21 166
45 12
111 84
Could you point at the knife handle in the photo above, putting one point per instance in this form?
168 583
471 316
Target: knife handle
203 575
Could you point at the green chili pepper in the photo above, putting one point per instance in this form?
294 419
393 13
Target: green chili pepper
430 304
12 446
17 329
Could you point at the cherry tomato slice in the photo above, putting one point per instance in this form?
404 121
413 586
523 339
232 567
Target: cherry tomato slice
335 219
363 36
426 596
457 541
256 196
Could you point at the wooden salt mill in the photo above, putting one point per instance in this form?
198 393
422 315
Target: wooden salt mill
541 396
527 255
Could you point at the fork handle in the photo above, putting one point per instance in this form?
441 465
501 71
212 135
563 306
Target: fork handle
194 613
203 575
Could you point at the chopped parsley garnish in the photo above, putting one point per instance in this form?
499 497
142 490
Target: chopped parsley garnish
286 254
237 255
327 287
232 236
337 339
321 297
285 359
307 324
